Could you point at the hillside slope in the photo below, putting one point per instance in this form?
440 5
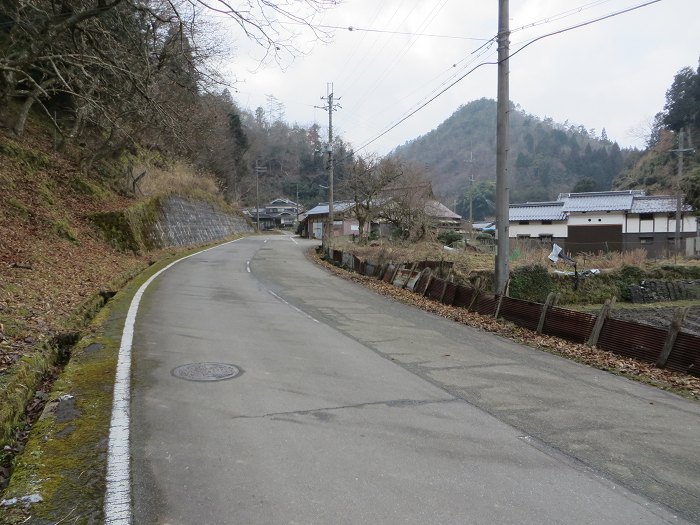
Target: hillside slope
546 158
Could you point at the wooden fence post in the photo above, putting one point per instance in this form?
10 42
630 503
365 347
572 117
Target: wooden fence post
547 304
500 299
410 274
444 289
600 320
396 271
673 329
477 292
427 286
424 274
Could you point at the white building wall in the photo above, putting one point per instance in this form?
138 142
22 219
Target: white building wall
592 218
536 228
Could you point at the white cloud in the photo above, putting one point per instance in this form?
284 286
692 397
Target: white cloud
611 74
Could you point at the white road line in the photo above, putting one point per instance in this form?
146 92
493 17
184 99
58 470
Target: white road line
293 240
247 266
117 504
302 312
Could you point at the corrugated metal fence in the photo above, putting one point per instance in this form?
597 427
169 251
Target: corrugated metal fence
624 338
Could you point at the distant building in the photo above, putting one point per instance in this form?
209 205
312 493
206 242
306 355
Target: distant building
346 224
604 221
316 220
279 213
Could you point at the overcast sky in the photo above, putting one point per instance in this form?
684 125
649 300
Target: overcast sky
612 74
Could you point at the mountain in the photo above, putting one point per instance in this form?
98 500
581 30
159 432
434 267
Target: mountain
545 159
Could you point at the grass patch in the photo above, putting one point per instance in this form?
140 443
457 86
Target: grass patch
32 160
86 187
64 230
19 209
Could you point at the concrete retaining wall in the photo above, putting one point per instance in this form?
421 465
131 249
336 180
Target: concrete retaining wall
186 222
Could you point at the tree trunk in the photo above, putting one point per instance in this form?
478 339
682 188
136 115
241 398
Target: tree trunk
18 128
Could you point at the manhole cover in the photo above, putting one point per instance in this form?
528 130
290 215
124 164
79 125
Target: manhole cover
206 371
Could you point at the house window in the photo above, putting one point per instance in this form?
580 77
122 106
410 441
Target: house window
524 222
546 238
546 222
646 240
646 216
523 236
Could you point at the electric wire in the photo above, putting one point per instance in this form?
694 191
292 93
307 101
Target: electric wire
350 72
435 11
469 72
402 33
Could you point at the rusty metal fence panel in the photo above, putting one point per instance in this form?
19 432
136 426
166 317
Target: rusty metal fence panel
371 268
463 296
624 338
435 289
422 282
486 304
522 313
630 339
347 261
685 356
389 273
450 292
569 324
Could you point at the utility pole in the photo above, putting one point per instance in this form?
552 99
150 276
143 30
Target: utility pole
502 176
471 193
258 170
330 107
679 198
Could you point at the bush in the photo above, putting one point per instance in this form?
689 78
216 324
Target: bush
532 283
448 237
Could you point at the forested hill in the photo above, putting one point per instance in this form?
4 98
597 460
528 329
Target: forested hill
546 157
671 162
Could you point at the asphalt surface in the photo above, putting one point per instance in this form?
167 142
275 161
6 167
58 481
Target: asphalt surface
355 409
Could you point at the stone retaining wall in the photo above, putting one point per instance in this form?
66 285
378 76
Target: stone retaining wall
186 222
655 291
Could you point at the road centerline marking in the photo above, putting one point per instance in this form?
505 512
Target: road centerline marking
302 312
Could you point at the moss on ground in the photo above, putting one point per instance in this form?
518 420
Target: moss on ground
64 460
130 229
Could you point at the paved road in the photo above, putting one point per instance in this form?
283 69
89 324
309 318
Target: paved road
355 409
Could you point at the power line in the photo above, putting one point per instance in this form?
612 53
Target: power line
388 32
560 16
532 41
582 24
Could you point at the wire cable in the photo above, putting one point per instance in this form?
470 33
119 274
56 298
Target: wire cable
532 41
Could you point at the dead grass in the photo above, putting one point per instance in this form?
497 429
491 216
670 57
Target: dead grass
179 178
469 260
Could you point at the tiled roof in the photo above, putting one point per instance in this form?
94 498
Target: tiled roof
656 204
537 211
598 201
338 207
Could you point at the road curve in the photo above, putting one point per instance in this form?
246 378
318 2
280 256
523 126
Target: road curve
354 409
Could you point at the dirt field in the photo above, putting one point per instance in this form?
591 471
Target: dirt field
660 316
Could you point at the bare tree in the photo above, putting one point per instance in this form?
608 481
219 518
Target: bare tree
125 66
368 179
407 201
